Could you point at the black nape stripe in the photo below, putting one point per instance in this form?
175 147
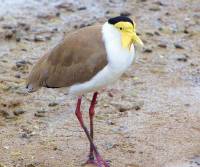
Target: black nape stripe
118 19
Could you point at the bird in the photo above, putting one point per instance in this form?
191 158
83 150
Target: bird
88 60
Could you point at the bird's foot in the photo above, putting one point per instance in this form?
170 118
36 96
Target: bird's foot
102 162
105 163
91 162
99 163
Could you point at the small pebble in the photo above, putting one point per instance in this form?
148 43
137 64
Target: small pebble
186 31
187 105
24 49
110 94
82 8
25 135
9 35
198 163
18 39
149 34
121 109
125 13
4 112
18 112
17 76
155 9
75 26
147 50
109 146
57 14
52 104
110 122
40 113
167 14
30 165
137 108
8 26
178 46
159 3
39 38
66 6
193 64
82 25
23 25
21 63
48 38
183 59
107 12
157 33
1 18
162 45
54 30
46 16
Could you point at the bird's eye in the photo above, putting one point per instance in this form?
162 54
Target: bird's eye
120 28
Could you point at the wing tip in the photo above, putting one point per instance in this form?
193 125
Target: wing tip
30 88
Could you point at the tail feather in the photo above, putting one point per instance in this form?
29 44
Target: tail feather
37 75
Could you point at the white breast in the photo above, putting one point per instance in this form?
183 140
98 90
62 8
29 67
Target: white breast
119 59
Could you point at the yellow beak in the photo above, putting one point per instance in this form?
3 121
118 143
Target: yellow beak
137 40
129 38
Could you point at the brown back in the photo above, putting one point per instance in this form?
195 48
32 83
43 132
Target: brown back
75 60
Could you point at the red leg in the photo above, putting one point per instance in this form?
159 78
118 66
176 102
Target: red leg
78 113
91 115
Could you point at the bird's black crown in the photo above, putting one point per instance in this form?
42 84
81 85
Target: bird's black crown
115 20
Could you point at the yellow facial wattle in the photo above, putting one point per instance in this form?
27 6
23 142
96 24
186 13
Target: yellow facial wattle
127 40
128 34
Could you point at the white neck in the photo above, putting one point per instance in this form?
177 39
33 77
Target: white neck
119 58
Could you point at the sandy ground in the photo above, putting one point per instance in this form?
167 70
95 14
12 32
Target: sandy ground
150 118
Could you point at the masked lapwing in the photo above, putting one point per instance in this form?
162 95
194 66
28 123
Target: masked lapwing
88 60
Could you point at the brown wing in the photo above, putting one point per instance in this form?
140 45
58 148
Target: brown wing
75 60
